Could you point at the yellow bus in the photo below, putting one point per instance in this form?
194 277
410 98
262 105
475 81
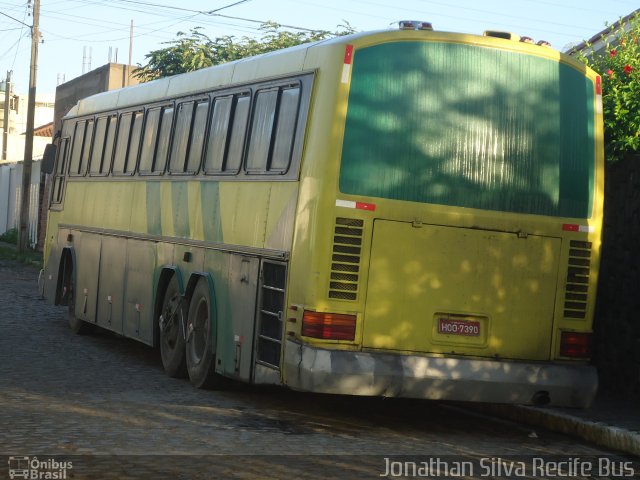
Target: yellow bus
404 213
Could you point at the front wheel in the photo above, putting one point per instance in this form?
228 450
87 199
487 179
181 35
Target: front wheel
171 324
201 338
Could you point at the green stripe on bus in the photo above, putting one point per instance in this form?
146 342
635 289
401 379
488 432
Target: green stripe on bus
180 208
210 198
154 223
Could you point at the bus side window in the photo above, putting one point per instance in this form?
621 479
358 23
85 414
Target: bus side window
149 140
86 147
160 160
196 140
76 148
134 143
95 166
240 117
127 143
58 181
109 144
219 126
122 142
260 138
273 129
289 105
181 137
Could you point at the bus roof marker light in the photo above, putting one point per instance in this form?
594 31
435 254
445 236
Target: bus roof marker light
414 25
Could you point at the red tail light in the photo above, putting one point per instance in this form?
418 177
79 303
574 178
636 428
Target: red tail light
329 326
575 344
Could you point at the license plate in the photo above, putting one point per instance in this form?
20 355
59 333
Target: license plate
454 326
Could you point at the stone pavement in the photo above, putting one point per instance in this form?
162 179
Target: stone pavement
104 399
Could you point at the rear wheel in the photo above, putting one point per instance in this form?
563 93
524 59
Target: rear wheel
201 340
171 325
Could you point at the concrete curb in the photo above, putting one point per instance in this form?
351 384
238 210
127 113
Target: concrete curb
596 432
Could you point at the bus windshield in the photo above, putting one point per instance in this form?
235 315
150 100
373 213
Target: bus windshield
470 126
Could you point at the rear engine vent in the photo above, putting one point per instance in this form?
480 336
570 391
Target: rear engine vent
575 298
345 260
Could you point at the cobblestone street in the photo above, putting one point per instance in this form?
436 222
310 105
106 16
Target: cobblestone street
104 403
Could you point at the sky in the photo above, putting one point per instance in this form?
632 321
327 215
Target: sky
80 35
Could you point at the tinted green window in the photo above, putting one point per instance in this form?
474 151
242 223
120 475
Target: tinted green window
471 127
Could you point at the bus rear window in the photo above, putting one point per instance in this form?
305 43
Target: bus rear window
465 126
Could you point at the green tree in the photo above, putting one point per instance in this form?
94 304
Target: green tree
195 50
619 67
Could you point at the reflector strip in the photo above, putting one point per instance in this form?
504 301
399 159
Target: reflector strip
598 95
346 68
358 205
348 55
571 227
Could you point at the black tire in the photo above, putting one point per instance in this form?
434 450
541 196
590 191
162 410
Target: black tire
201 339
76 325
171 326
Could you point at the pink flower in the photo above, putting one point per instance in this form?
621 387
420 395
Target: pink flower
610 72
628 69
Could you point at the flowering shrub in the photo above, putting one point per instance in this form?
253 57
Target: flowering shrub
619 67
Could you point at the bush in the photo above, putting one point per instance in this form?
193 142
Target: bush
619 67
10 236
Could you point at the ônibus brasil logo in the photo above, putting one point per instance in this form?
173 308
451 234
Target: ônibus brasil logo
35 469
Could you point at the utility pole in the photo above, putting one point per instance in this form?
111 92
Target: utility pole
128 68
23 231
7 112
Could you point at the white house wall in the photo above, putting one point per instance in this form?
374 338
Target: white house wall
10 192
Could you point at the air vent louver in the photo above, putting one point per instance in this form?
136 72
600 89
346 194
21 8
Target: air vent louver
577 287
345 264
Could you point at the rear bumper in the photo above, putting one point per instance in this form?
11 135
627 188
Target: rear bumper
418 376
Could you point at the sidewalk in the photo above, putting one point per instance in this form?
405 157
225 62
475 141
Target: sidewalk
610 422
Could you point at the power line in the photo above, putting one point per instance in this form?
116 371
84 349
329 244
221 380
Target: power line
15 19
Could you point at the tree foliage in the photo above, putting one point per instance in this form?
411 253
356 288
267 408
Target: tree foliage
619 67
195 50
